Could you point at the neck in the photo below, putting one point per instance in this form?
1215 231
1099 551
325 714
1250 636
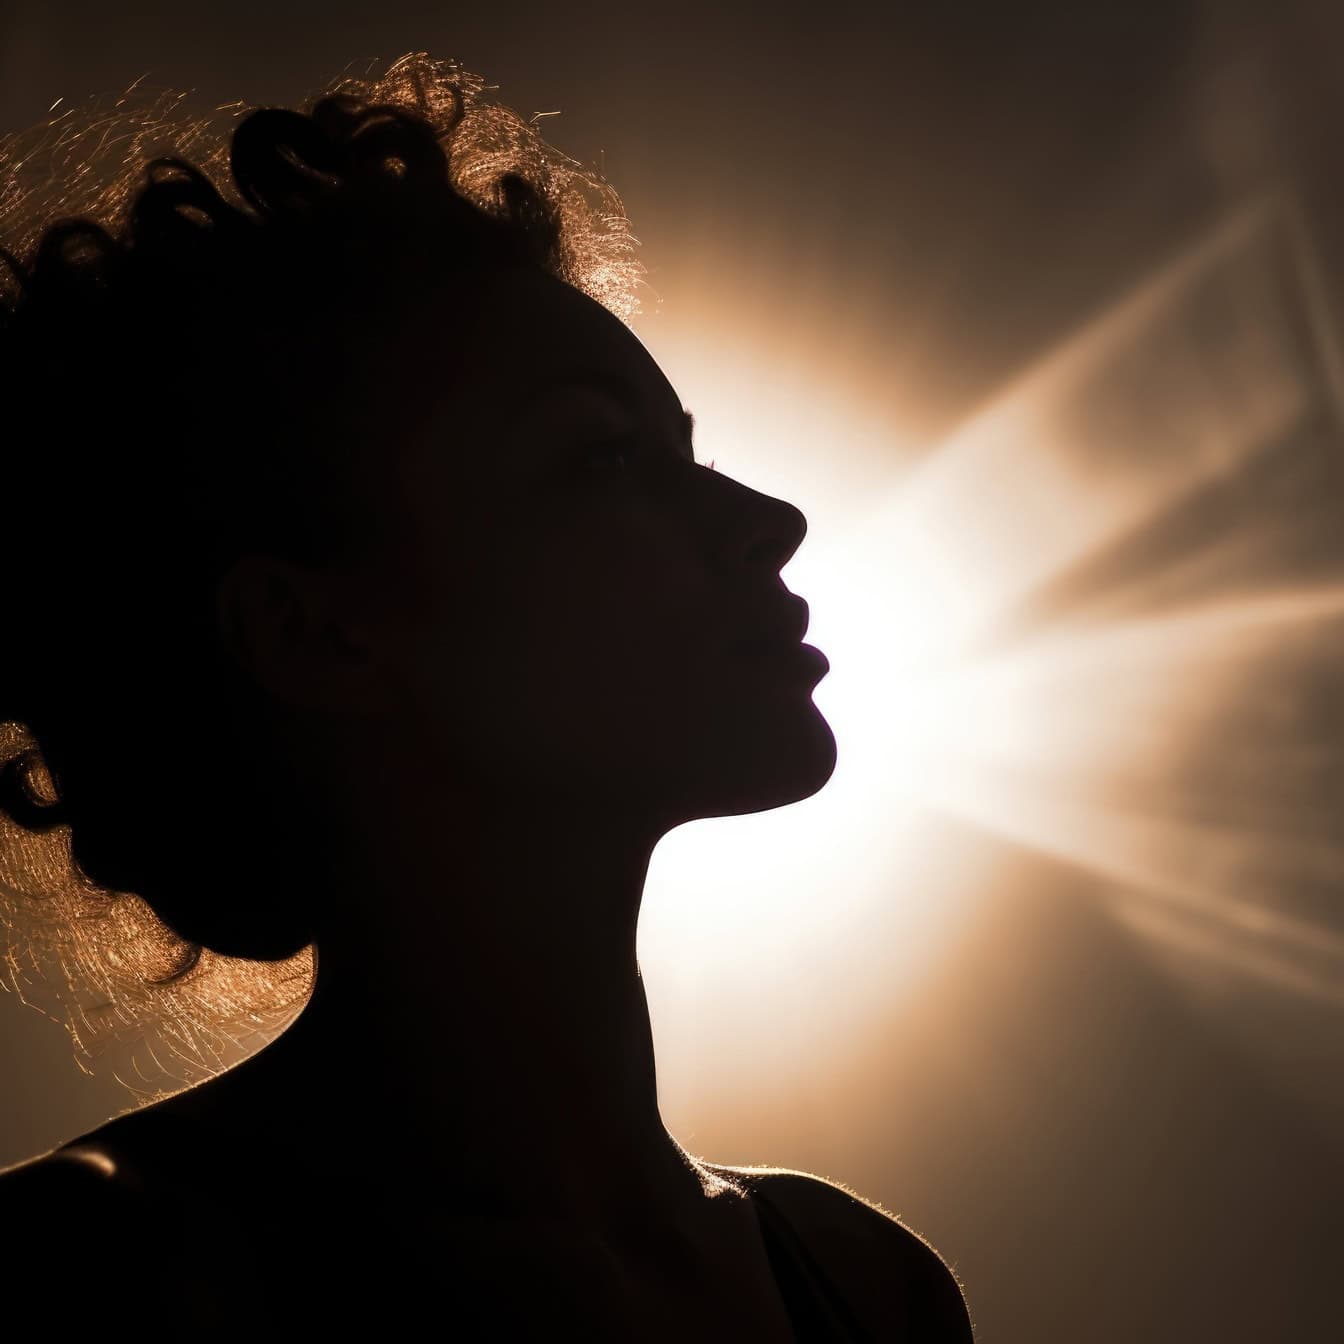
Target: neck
478 1011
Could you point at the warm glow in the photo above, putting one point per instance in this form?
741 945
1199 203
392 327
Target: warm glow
1018 643
1047 629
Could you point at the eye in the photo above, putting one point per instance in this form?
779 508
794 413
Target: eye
612 456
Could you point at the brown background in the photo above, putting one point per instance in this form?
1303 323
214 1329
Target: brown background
1108 1144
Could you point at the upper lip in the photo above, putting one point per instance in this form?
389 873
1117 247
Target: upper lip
786 624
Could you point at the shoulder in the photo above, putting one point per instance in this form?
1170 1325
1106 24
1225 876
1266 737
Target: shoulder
85 1229
60 1212
78 1173
87 1204
891 1274
133 1164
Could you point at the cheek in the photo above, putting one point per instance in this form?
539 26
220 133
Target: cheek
598 670
574 657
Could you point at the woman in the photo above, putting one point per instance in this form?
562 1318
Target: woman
378 604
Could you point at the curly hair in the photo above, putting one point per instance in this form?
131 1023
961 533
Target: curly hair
208 334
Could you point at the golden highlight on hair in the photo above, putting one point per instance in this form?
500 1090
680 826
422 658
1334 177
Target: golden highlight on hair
161 1009
88 162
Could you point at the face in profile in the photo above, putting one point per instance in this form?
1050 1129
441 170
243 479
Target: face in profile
562 609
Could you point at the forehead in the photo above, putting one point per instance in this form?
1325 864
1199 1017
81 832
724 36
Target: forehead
540 340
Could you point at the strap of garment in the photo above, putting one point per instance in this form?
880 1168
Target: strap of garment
819 1313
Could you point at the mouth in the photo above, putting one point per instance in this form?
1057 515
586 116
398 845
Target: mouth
788 653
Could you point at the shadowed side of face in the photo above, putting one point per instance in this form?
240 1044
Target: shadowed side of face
570 584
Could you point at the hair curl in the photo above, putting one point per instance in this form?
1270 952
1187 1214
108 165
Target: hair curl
205 335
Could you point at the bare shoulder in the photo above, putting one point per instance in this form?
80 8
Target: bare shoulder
93 1236
898 1282
58 1215
75 1173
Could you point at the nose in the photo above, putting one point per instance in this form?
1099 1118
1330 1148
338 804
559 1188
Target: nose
770 533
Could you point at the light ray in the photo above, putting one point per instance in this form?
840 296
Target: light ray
1049 629
1133 414
1248 955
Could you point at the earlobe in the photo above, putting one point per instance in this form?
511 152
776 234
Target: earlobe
282 625
254 614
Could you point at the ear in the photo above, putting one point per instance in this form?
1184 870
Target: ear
295 633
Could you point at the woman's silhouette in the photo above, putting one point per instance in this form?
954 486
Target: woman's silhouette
375 601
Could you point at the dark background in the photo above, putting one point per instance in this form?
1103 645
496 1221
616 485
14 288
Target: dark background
1107 1145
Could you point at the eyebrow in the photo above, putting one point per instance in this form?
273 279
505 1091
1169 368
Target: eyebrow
621 391
688 421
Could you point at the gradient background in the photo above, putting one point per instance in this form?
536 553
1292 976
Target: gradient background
1033 309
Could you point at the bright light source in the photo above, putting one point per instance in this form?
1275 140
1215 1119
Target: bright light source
1020 636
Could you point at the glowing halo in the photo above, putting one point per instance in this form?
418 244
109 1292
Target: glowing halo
1035 630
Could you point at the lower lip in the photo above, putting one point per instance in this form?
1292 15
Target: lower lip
800 655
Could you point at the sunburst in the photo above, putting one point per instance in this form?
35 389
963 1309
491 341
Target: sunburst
1095 621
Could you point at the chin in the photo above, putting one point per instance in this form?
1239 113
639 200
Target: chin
798 763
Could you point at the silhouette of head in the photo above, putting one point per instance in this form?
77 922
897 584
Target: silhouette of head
346 464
